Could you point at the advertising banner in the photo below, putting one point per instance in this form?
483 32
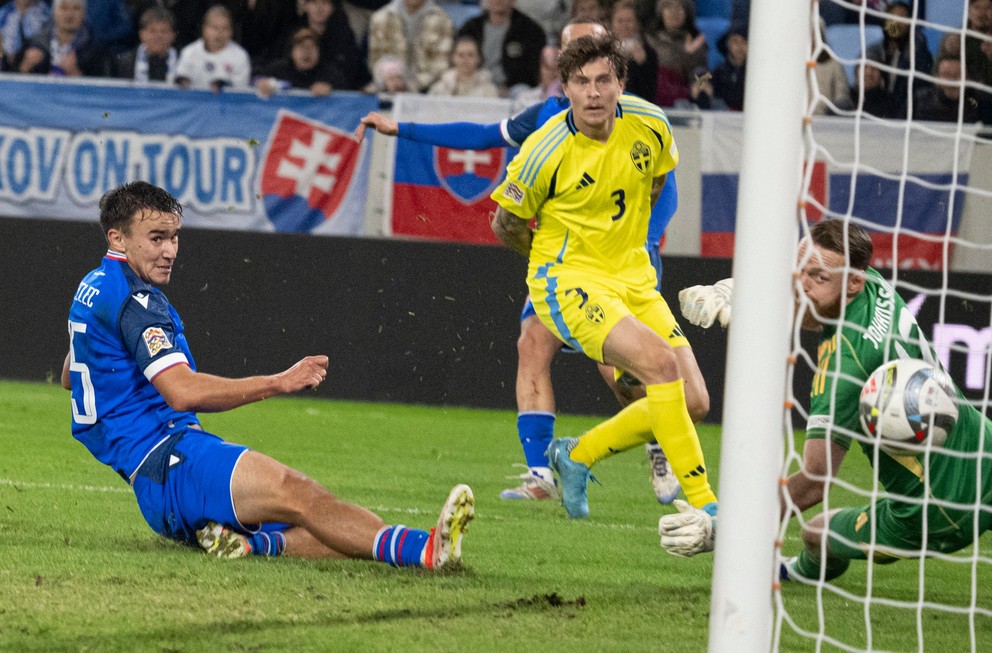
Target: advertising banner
234 161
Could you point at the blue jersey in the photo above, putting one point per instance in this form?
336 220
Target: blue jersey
122 333
512 132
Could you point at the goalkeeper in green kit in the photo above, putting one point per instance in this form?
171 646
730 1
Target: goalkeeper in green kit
877 327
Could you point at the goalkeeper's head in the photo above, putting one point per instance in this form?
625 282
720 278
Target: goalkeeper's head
831 270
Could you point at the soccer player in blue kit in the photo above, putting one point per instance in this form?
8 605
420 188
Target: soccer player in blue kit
135 394
537 345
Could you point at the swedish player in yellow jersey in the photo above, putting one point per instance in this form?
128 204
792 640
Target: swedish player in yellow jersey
590 175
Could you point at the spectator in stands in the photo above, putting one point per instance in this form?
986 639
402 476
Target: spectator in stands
877 99
552 15
65 47
831 82
728 77
593 10
111 23
701 93
894 50
418 33
154 60
466 77
549 86
260 27
943 101
642 68
510 42
680 46
978 51
389 76
303 68
327 19
359 13
21 21
214 60
978 54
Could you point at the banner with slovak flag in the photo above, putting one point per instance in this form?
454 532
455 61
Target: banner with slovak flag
233 160
902 184
442 193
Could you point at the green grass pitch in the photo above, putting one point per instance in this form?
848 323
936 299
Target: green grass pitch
80 570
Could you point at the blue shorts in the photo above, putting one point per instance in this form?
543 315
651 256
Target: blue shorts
186 482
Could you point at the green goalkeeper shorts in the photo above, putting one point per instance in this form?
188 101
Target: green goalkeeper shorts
898 531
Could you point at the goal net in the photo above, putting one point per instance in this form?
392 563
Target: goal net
903 156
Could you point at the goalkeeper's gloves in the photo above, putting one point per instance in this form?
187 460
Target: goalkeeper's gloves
703 305
687 532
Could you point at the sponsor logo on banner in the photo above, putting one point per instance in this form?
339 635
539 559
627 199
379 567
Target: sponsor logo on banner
469 175
306 172
155 340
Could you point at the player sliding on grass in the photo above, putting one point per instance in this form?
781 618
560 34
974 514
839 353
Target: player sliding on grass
135 394
591 175
537 346
947 506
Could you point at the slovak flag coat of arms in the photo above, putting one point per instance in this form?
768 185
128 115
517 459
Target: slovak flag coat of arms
307 170
467 174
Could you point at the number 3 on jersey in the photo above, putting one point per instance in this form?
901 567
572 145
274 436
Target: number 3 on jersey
619 196
88 414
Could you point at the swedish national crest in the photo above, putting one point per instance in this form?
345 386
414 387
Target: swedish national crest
640 154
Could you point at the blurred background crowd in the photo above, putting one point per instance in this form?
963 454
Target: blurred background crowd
684 53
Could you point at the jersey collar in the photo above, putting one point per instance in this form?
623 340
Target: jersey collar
115 256
570 119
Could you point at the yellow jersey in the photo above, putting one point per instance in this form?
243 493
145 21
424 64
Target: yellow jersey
592 199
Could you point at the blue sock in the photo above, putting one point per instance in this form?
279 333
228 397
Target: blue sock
267 544
400 546
536 430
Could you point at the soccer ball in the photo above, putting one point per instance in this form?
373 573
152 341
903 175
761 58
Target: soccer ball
906 403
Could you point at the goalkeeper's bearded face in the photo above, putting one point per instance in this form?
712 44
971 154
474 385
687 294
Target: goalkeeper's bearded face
824 285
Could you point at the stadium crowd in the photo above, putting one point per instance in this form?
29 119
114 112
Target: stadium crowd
684 53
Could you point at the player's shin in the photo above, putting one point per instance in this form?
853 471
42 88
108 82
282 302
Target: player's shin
629 428
676 433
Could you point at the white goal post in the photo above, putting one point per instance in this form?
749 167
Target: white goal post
751 446
906 181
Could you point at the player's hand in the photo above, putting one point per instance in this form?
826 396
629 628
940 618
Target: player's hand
306 374
687 532
703 305
378 122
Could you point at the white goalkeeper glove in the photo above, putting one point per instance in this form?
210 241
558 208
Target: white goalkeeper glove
703 305
687 532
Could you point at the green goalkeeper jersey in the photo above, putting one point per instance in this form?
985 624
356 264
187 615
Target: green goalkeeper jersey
877 327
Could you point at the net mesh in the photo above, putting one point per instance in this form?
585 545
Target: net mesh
900 153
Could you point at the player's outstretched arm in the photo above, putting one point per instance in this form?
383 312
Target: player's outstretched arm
189 391
378 122
514 232
807 487
704 305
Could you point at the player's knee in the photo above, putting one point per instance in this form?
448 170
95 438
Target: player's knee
812 534
299 493
536 344
662 366
698 404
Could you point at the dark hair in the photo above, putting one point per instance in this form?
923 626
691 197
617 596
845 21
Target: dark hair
844 238
588 48
156 15
118 207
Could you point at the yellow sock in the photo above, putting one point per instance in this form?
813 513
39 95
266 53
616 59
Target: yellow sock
628 428
675 432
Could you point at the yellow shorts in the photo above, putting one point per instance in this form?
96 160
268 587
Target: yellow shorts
582 309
